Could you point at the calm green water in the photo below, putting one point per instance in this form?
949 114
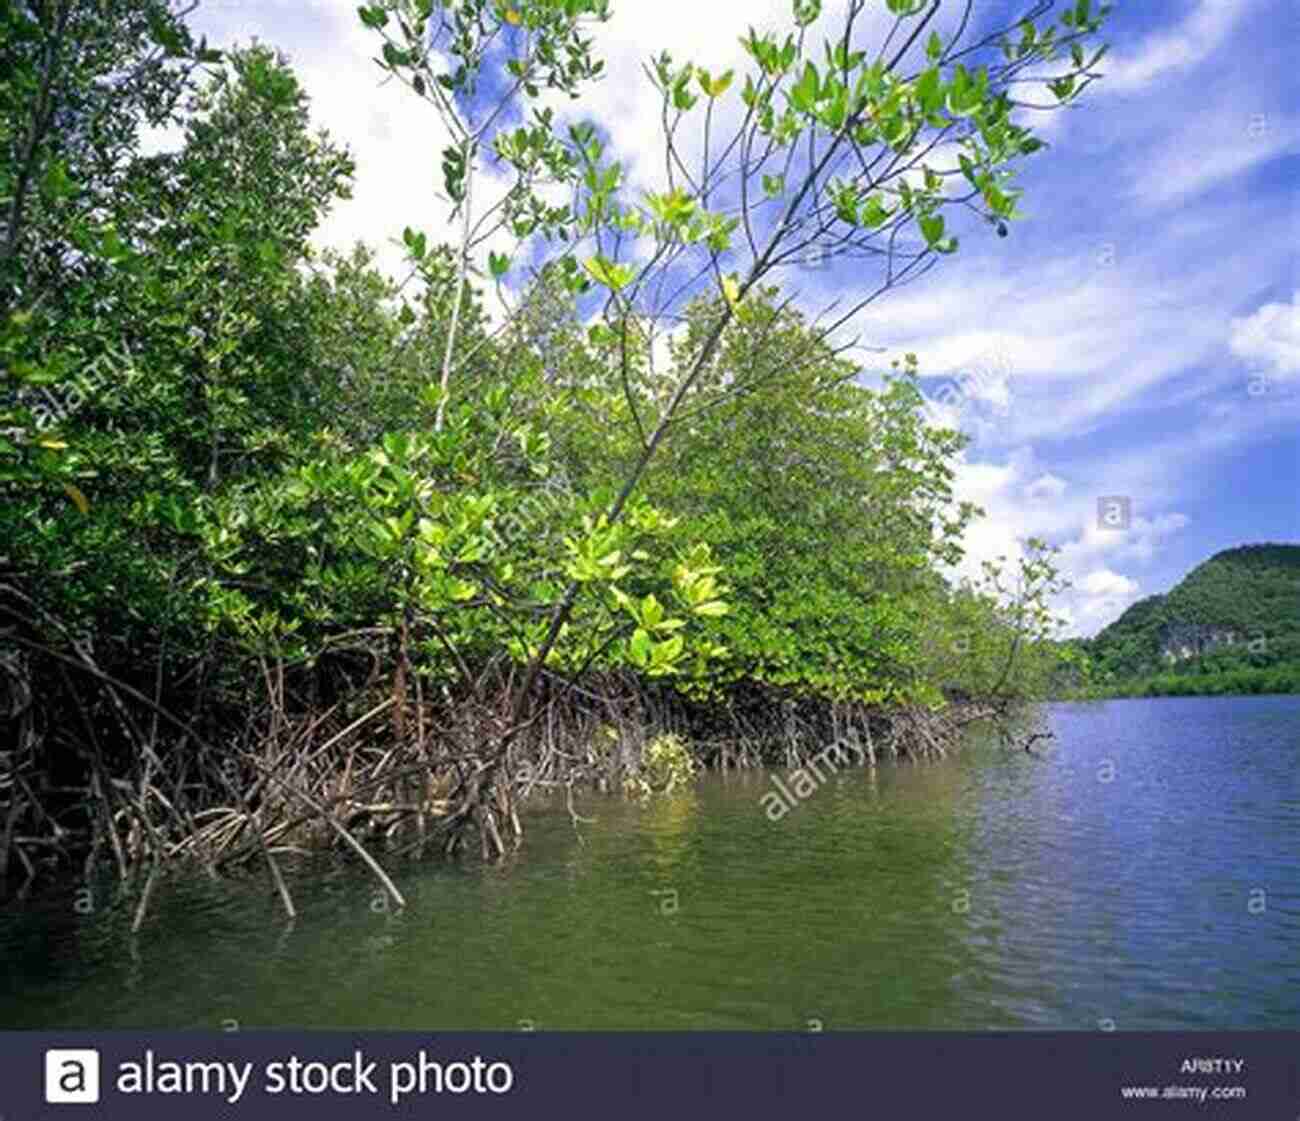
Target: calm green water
1145 872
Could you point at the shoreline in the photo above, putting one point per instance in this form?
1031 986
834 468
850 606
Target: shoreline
390 785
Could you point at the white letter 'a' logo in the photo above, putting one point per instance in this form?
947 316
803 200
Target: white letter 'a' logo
72 1076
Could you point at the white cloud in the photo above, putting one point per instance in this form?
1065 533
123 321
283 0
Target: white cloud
1270 338
1045 488
395 137
1022 499
1140 541
1158 55
1057 347
1139 107
1216 148
1097 599
1104 582
707 34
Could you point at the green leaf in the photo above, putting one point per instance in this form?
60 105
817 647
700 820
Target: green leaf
931 227
57 183
731 291
803 96
667 652
652 612
720 85
462 590
873 213
929 90
1062 87
806 11
417 243
112 246
606 272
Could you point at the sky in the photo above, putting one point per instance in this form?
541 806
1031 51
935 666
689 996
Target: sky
1126 360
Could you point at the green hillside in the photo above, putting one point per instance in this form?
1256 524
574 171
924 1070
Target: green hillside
1231 625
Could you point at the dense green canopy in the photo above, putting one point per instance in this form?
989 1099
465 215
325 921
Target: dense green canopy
238 475
1231 625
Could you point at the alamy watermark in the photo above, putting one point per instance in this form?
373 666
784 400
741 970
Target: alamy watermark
52 406
1114 511
808 779
986 381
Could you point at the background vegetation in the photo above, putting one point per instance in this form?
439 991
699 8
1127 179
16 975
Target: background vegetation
1232 625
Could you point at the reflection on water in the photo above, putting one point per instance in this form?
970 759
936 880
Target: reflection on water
1145 872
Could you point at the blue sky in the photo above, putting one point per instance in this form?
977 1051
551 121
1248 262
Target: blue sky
1137 335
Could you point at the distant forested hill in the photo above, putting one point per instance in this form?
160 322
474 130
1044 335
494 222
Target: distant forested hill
1238 613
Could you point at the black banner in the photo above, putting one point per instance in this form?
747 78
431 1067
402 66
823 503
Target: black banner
668 1077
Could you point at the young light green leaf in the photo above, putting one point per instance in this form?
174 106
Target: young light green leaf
606 272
